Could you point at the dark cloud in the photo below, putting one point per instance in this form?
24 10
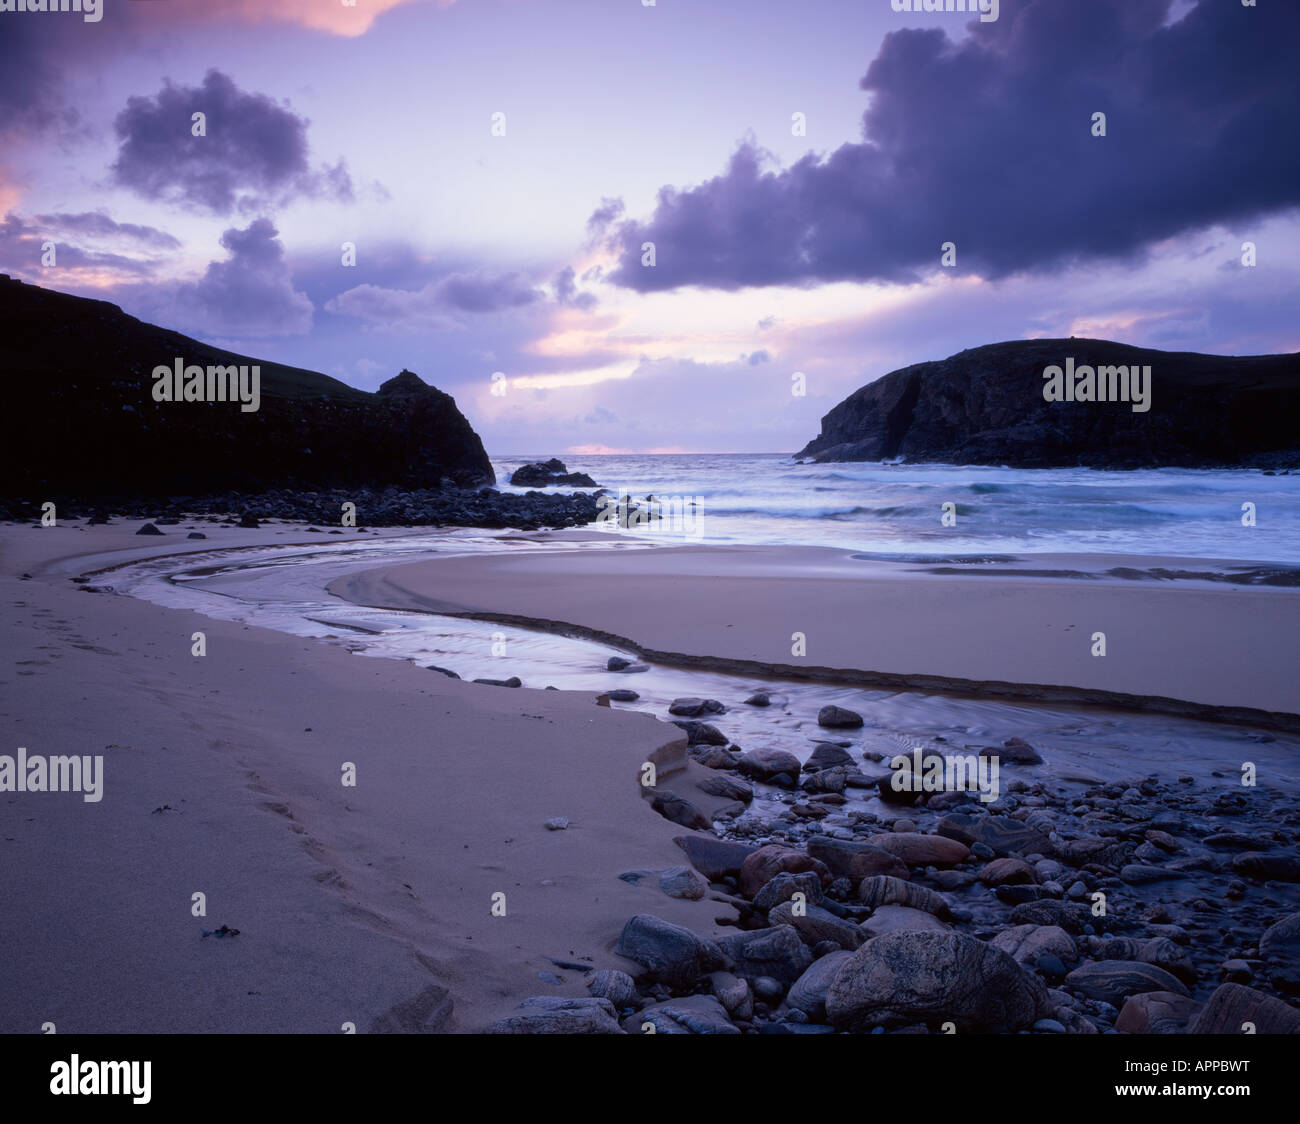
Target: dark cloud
468 292
249 294
254 153
610 209
435 303
754 358
96 224
987 143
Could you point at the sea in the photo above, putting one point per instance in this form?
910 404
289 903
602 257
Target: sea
896 510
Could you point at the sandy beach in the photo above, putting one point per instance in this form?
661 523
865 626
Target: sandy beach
351 902
1189 646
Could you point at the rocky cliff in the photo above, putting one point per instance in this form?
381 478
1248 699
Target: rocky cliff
986 406
82 418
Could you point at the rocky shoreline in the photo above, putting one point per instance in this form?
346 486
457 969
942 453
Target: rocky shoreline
1164 905
375 507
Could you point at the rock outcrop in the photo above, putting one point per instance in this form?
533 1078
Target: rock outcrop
986 406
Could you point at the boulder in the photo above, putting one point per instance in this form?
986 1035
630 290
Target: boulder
728 788
909 977
815 925
784 886
916 849
1156 1012
827 756
1025 944
900 919
669 953
854 859
1113 981
808 992
837 718
695 708
766 763
542 474
683 882
775 953
702 733
694 1014
716 859
767 862
1003 835
1234 1009
1008 872
881 890
1279 948
553 1014
609 983
678 809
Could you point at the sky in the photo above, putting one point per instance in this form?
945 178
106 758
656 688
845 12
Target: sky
499 168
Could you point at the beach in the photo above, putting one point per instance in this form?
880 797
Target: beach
375 905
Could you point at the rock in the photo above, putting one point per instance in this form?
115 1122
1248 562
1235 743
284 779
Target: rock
1070 916
1140 874
728 788
900 919
553 1014
249 520
1156 1012
1279 948
695 708
883 890
915 849
678 809
683 882
191 535
827 756
908 977
1164 953
557 823
701 733
716 859
623 695
1026 944
1267 867
1007 872
775 953
784 886
854 859
1002 835
670 953
985 405
815 924
759 698
1232 1007
441 671
149 529
695 1014
1015 750
832 781
543 474
837 717
808 992
1113 981
617 663
609 983
767 862
513 681
764 764
733 993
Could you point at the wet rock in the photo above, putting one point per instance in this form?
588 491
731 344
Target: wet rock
149 529
775 953
1156 1012
767 862
623 695
716 859
784 886
915 849
728 788
669 953
900 919
854 859
513 681
831 781
1000 834
808 992
1140 874
701 733
609 983
1007 872
906 977
765 763
617 663
557 823
733 993
884 890
827 756
543 474
193 535
1279 948
679 810
695 708
683 882
1267 867
1232 1007
1071 917
694 1014
814 924
553 1014
441 671
759 698
838 717
1027 944
1113 981
1017 751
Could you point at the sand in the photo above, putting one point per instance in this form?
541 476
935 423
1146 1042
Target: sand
1205 648
350 901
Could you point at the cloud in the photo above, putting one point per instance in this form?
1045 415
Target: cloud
435 304
250 294
566 291
253 156
90 246
987 143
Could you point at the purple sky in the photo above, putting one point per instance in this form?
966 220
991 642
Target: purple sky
775 251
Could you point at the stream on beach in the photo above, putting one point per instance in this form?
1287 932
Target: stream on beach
284 588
